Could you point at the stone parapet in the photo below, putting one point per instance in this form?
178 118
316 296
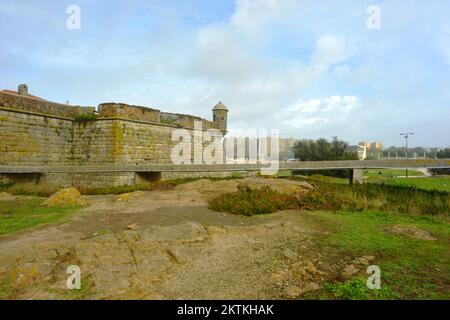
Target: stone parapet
125 111
186 121
17 102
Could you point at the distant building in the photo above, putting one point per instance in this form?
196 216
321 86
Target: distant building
360 150
287 148
365 144
372 147
22 91
376 146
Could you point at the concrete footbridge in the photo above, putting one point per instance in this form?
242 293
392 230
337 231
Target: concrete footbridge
355 165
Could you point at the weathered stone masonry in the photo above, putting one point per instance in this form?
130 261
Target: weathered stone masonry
36 132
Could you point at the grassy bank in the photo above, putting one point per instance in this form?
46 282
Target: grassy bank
38 190
431 183
410 268
336 197
22 214
390 173
357 220
439 183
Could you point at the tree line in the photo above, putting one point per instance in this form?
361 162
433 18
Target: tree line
417 151
336 149
322 150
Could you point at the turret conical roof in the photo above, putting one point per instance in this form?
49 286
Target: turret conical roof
220 106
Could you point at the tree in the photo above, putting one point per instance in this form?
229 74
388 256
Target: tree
443 153
321 150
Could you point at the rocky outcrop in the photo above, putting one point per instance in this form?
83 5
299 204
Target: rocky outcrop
213 188
410 231
65 197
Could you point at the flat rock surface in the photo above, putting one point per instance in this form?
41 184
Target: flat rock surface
211 188
410 231
168 244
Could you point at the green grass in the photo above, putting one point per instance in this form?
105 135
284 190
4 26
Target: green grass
410 268
431 183
238 175
284 173
22 214
322 178
355 289
390 177
6 289
358 217
390 173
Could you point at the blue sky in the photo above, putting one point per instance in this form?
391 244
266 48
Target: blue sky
309 68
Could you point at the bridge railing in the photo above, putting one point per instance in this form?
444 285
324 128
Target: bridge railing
296 165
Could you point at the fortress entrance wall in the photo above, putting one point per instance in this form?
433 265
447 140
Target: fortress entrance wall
41 133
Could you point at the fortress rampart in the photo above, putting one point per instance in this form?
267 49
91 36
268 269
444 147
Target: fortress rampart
36 132
36 105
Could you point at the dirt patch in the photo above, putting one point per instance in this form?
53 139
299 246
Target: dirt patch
410 231
6 196
177 248
208 187
279 185
214 188
185 260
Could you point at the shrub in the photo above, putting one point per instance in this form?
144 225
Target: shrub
336 197
86 117
250 202
159 185
44 190
356 289
32 189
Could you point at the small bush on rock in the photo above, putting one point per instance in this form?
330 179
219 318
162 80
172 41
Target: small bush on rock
250 202
334 197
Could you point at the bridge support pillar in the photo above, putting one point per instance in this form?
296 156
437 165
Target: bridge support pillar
356 176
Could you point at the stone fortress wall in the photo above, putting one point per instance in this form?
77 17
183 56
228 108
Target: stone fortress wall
36 132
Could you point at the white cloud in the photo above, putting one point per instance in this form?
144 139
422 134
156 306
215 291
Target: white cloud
442 43
265 60
316 112
329 50
232 57
252 16
342 70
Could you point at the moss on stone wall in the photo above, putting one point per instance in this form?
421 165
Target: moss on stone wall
85 117
116 139
33 140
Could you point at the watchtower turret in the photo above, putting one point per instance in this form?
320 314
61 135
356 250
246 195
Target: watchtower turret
22 90
220 115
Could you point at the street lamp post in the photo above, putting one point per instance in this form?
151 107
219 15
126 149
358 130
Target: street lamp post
406 135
